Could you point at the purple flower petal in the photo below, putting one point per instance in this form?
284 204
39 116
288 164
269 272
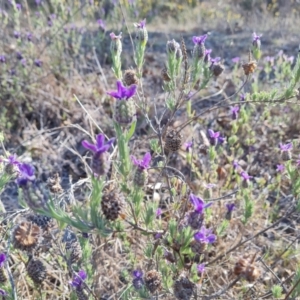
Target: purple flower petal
89 146
137 274
201 268
2 259
100 138
199 39
146 160
211 238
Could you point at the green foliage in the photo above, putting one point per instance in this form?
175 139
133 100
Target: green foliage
277 291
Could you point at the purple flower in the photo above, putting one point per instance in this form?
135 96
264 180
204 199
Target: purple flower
26 173
230 207
235 60
199 40
2 292
115 37
2 58
141 24
158 212
188 146
286 147
245 176
242 97
201 268
256 40
215 137
205 236
144 163
158 235
199 204
2 259
19 55
280 168
235 112
235 164
29 36
270 59
215 60
78 279
38 2
17 34
101 24
38 63
18 6
137 280
207 53
291 59
123 92
23 62
12 160
100 146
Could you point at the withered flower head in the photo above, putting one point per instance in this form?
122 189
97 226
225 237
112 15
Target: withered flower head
26 236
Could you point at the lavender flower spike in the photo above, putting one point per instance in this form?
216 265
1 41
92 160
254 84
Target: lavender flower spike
123 92
100 161
205 236
137 281
2 293
100 146
26 173
144 163
201 268
199 39
78 280
286 147
199 204
141 24
230 207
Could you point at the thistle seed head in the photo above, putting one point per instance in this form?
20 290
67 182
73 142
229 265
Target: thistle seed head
153 281
26 236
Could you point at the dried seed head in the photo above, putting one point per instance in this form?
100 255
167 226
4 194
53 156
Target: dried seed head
153 281
81 294
111 205
54 184
100 163
140 177
130 77
183 288
173 141
36 270
26 236
125 112
249 67
74 251
217 69
164 74
240 266
245 268
43 222
197 247
252 273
